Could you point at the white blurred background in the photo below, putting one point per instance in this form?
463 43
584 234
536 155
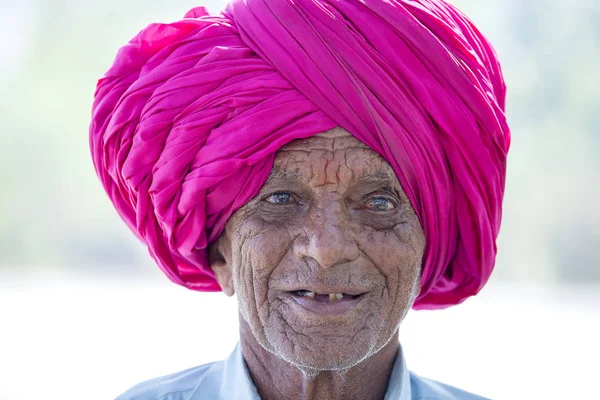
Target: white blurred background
85 314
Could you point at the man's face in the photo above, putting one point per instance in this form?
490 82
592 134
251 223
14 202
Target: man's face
326 259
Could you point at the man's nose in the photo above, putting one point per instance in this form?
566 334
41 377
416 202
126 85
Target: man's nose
328 240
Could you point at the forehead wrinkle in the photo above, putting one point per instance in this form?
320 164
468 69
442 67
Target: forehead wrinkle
280 173
383 175
340 159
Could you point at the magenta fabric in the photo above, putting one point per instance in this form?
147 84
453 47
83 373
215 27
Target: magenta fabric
186 123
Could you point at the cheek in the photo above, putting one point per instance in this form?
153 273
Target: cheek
257 250
397 253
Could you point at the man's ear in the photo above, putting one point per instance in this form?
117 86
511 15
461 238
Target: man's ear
219 257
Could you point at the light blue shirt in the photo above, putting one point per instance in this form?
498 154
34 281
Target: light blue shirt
230 380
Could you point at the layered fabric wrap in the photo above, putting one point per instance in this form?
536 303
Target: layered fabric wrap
187 122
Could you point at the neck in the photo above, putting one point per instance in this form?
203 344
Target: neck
275 378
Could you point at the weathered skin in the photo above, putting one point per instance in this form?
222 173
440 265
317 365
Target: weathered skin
339 218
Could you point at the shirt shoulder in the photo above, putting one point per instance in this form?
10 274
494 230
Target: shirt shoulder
178 386
428 389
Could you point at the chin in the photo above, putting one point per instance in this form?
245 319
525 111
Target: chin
325 354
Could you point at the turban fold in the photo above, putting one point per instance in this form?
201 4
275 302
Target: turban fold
187 121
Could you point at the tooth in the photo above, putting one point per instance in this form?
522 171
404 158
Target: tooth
310 294
335 296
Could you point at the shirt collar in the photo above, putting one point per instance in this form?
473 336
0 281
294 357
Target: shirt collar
399 384
236 383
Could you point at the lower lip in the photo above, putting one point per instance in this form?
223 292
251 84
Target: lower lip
324 308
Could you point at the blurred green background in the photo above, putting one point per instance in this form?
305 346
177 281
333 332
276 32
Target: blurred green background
55 216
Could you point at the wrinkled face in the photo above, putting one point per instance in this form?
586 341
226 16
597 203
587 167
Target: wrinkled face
326 259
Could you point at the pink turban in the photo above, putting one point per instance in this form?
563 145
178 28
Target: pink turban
187 122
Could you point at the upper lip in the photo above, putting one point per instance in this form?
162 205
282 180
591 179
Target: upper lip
322 289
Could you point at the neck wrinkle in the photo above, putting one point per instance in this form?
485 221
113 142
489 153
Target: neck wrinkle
274 378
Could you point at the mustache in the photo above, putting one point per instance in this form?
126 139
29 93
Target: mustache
352 278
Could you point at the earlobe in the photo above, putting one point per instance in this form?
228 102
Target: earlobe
219 262
224 278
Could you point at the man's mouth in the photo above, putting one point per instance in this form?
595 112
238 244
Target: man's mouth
327 301
325 297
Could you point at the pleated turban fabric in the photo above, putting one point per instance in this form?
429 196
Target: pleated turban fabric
187 121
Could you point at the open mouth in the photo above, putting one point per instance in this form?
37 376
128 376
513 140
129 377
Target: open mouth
324 297
328 302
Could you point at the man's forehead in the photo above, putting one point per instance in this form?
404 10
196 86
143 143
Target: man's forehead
334 155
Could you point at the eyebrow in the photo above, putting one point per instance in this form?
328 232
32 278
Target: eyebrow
382 176
385 180
279 174
377 177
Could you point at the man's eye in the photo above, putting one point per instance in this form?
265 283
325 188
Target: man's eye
281 198
380 204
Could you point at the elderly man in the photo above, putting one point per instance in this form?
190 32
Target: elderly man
333 162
